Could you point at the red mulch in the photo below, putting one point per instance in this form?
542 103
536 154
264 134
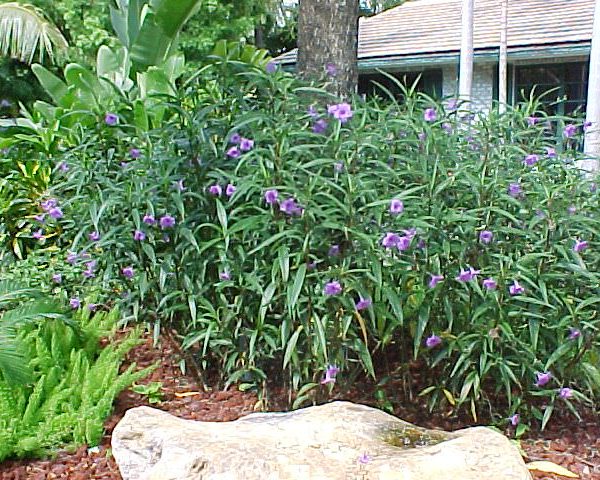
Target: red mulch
567 442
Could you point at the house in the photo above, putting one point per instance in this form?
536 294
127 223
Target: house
548 47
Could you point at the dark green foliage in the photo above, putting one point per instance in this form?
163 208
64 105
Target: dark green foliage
75 384
243 281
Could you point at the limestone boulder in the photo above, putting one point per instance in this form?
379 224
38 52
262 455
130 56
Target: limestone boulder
335 441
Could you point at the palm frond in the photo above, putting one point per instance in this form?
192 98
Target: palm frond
24 31
14 367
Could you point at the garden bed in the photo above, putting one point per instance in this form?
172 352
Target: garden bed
572 444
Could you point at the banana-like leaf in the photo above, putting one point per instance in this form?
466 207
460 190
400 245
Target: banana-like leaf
24 31
161 25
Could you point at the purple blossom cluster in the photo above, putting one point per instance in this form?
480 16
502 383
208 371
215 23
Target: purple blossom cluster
217 190
240 145
289 206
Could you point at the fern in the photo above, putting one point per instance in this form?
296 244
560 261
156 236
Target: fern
76 384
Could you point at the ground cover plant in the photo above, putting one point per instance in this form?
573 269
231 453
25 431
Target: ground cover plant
291 236
72 382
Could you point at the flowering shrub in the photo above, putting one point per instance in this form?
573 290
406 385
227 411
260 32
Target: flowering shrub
278 228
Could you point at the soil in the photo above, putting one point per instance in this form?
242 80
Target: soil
568 442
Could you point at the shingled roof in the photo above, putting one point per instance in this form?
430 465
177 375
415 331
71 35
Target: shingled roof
432 27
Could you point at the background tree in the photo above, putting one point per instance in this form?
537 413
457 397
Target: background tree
328 42
592 134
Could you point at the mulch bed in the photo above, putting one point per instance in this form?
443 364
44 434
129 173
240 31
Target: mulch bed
567 442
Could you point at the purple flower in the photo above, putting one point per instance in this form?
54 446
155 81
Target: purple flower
332 288
92 307
363 304
246 144
167 221
38 234
531 159
312 111
422 136
490 284
565 393
94 236
290 207
40 218
149 219
135 153
234 152
128 272
447 127
75 303
587 124
542 378
390 240
139 236
215 190
225 275
430 115
71 258
572 210
111 119
452 104
57 278
486 236
410 233
320 126
516 288
550 152
55 213
569 130
433 341
434 280
63 166
334 251
396 206
514 420
580 245
531 121
230 190
331 69
235 138
271 67
271 196
363 459
338 167
49 204
403 243
574 333
178 185
330 373
515 190
467 275
341 111
88 273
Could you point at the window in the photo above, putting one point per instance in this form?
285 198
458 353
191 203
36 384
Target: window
569 81
430 82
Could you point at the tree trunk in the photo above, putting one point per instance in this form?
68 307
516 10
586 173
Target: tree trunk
502 57
465 79
592 134
328 41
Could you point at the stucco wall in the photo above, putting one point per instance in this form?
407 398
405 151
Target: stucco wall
483 85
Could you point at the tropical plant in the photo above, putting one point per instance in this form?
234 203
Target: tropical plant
24 31
75 384
18 307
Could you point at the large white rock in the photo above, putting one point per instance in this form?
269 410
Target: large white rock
325 442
